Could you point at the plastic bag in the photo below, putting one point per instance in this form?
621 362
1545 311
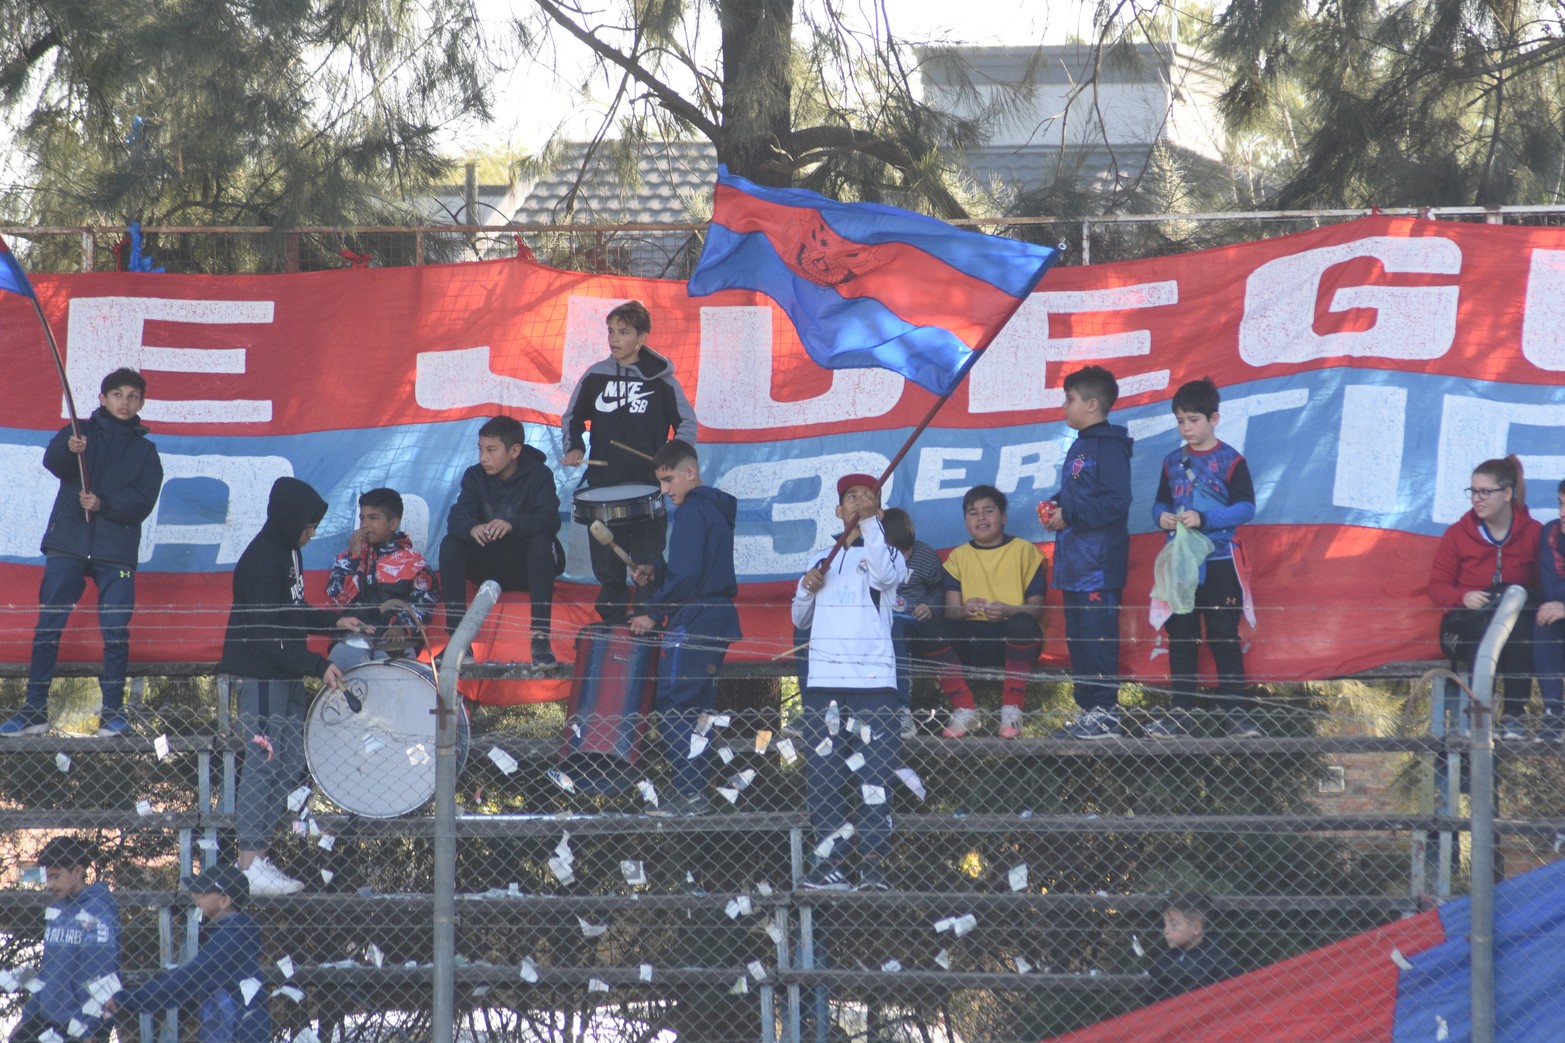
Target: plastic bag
1177 571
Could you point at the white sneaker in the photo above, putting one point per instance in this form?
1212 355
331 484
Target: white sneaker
963 721
1010 722
267 879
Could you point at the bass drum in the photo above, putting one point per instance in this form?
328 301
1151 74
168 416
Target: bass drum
371 744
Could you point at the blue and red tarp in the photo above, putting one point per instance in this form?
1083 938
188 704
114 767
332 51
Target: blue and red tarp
1407 981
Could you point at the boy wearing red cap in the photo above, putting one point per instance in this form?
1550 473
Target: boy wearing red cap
851 705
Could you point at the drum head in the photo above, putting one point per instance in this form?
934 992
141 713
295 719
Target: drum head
378 761
616 493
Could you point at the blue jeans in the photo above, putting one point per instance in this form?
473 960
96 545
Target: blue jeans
687 688
1548 662
1092 639
275 710
827 774
64 582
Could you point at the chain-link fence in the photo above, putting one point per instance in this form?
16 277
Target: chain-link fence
1024 890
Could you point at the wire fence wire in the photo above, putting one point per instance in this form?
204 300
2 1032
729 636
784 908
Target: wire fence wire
1025 880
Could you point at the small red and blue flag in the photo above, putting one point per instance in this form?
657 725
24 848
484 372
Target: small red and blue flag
12 278
867 284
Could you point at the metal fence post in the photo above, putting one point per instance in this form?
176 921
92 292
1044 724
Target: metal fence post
443 998
1484 667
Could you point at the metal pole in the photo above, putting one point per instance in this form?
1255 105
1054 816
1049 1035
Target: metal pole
443 1000
1482 934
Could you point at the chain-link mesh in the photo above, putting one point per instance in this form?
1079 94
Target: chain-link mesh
1025 882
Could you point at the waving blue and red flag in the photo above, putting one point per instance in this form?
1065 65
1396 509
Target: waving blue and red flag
1408 981
866 284
12 278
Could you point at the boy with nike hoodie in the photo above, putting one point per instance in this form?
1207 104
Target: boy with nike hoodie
630 398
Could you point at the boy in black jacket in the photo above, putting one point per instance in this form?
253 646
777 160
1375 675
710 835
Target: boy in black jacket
94 532
502 527
230 955
266 653
1192 960
631 398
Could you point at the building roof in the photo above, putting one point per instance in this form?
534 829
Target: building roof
671 182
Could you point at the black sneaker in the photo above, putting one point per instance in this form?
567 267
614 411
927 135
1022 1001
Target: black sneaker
826 877
872 879
1240 725
543 655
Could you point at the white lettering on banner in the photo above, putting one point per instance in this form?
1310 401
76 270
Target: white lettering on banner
1015 379
1473 430
1236 415
1038 462
758 555
1369 448
1412 322
933 474
29 496
735 391
249 481
105 333
462 378
1543 319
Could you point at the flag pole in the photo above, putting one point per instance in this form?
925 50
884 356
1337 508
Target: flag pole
65 385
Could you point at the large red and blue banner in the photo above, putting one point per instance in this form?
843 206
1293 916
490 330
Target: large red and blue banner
1407 981
1365 367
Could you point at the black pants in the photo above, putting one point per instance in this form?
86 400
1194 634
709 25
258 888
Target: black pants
642 539
528 563
1219 604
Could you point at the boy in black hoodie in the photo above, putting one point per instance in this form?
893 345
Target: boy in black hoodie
502 527
630 398
693 603
94 532
266 653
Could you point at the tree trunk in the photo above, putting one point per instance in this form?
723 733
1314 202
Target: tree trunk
757 89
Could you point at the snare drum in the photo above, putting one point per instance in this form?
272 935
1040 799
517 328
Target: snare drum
378 760
617 503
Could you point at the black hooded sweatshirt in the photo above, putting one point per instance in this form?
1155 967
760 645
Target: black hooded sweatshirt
270 620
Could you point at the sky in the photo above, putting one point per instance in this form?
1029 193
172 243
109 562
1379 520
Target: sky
535 99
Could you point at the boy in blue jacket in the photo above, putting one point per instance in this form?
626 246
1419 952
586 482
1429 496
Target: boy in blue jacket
230 955
1092 548
81 944
1205 484
1548 642
693 604
94 531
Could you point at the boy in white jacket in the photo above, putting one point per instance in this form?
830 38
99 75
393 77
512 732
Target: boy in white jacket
851 703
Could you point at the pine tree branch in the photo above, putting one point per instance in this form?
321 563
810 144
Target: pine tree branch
667 96
810 142
13 74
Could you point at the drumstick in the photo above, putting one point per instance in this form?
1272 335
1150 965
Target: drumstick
601 533
596 463
792 651
630 449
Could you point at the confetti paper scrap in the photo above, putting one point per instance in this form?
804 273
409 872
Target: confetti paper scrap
722 720
757 970
763 739
103 989
1017 877
1022 966
855 762
285 966
1135 945
562 871
646 972
50 1036
289 992
529 970
865 735
62 760
964 923
502 760
1402 962
306 1035
729 794
296 800
911 780
823 748
649 792
725 754
943 958
374 955
634 872
597 985
76 1028
698 743
891 966
774 932
418 755
741 987
786 751
326 876
560 779
874 794
160 747
592 930
248 988
326 842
